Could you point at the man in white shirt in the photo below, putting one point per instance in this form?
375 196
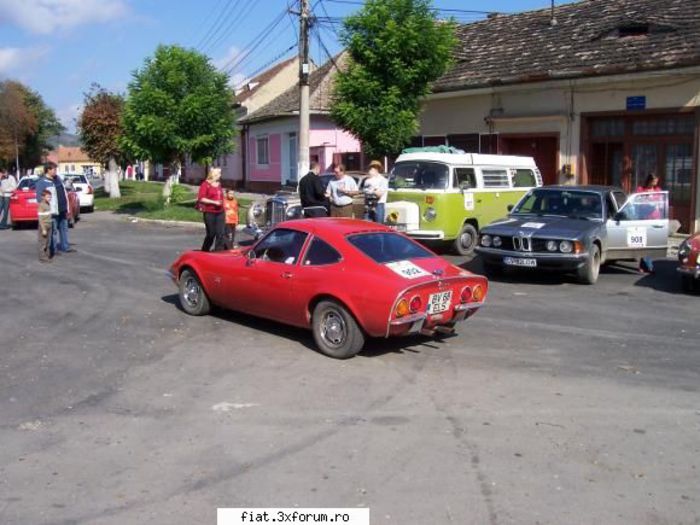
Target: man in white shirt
340 193
8 184
376 189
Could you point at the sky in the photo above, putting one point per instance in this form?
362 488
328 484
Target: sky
60 47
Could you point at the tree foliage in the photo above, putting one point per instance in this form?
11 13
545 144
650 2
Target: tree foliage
396 49
100 125
26 124
178 104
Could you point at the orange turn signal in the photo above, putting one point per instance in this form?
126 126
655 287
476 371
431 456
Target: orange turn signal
478 293
402 308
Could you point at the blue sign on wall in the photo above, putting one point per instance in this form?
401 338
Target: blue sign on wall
636 103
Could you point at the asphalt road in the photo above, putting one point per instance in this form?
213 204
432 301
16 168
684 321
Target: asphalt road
556 404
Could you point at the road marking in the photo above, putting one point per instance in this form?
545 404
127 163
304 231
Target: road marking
225 406
118 260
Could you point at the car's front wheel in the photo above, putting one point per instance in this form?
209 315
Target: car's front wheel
588 273
193 298
336 332
690 284
465 242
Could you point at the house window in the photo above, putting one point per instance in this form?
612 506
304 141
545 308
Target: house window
263 151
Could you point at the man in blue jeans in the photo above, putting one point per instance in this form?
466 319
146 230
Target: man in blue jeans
8 185
59 210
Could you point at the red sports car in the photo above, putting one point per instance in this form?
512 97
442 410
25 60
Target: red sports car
344 279
689 262
24 208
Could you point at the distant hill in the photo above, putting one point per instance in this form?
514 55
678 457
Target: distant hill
65 139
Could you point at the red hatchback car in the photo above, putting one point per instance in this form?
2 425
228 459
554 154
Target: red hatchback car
689 263
344 279
24 208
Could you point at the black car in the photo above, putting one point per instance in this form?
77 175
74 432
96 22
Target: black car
576 229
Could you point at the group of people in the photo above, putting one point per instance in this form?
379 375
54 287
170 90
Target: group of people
52 197
337 198
219 208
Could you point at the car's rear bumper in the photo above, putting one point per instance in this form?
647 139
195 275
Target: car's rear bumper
422 323
548 261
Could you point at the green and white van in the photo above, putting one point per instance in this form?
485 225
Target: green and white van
449 196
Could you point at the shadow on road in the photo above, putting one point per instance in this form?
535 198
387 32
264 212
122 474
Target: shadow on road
373 347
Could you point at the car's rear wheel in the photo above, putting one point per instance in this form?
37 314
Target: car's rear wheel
193 298
15 225
588 273
690 284
465 242
90 209
336 332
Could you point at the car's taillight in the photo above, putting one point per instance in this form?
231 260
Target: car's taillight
478 293
403 308
467 294
415 304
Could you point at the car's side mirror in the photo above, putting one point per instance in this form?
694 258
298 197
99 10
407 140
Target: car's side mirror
510 208
619 216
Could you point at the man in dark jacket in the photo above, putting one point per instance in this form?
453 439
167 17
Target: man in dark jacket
313 194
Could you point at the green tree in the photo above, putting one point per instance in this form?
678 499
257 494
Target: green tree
396 49
101 129
178 105
47 128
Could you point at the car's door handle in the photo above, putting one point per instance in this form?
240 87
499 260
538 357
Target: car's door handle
657 226
287 275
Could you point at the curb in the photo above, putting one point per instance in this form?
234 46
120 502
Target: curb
164 222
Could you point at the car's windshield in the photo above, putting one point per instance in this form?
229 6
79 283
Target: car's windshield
564 203
386 247
27 183
77 178
419 175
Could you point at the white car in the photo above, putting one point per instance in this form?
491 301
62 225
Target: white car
85 190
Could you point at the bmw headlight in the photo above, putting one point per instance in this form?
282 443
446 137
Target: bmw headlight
257 210
486 240
497 242
566 246
552 246
430 214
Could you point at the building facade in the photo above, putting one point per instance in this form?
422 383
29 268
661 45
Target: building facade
607 90
75 160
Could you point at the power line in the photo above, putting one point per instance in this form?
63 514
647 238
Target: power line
218 24
267 64
206 19
234 20
441 10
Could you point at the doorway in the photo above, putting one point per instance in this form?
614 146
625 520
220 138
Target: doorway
544 149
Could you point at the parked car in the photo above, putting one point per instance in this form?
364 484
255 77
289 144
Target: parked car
689 263
344 279
576 229
85 190
436 196
24 208
286 205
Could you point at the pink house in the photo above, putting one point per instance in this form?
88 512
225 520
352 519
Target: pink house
270 135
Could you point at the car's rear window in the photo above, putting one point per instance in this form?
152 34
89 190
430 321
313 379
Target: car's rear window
386 247
78 178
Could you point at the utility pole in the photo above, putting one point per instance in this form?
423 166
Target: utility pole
303 155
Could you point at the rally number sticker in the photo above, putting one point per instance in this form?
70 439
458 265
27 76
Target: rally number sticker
533 225
407 269
469 201
636 237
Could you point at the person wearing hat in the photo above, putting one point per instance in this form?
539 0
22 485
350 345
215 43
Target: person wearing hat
376 189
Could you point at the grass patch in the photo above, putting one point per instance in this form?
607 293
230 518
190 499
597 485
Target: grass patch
143 199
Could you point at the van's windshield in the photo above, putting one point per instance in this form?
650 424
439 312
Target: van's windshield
419 176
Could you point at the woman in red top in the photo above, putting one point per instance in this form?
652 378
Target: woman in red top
210 200
646 265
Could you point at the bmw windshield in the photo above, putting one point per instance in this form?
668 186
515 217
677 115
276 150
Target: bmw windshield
417 175
573 204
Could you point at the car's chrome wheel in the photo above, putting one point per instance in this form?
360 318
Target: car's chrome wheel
193 297
333 329
336 331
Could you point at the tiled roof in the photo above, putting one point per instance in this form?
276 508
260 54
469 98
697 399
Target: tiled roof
72 154
590 38
259 81
320 91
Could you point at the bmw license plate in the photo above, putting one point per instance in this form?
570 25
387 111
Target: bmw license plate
518 261
439 302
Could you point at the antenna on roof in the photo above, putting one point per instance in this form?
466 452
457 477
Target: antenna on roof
552 20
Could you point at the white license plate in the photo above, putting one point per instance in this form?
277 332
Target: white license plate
518 261
439 302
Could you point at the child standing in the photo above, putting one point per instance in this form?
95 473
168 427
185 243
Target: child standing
231 210
45 227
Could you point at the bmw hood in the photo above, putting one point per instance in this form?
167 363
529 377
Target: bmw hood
544 227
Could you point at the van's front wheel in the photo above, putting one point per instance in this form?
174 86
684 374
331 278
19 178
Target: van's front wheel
466 241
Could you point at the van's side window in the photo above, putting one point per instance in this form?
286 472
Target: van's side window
494 178
465 178
524 178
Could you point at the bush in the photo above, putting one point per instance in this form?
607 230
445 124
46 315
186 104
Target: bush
180 194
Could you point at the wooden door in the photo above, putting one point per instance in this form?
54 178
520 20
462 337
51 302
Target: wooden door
544 150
